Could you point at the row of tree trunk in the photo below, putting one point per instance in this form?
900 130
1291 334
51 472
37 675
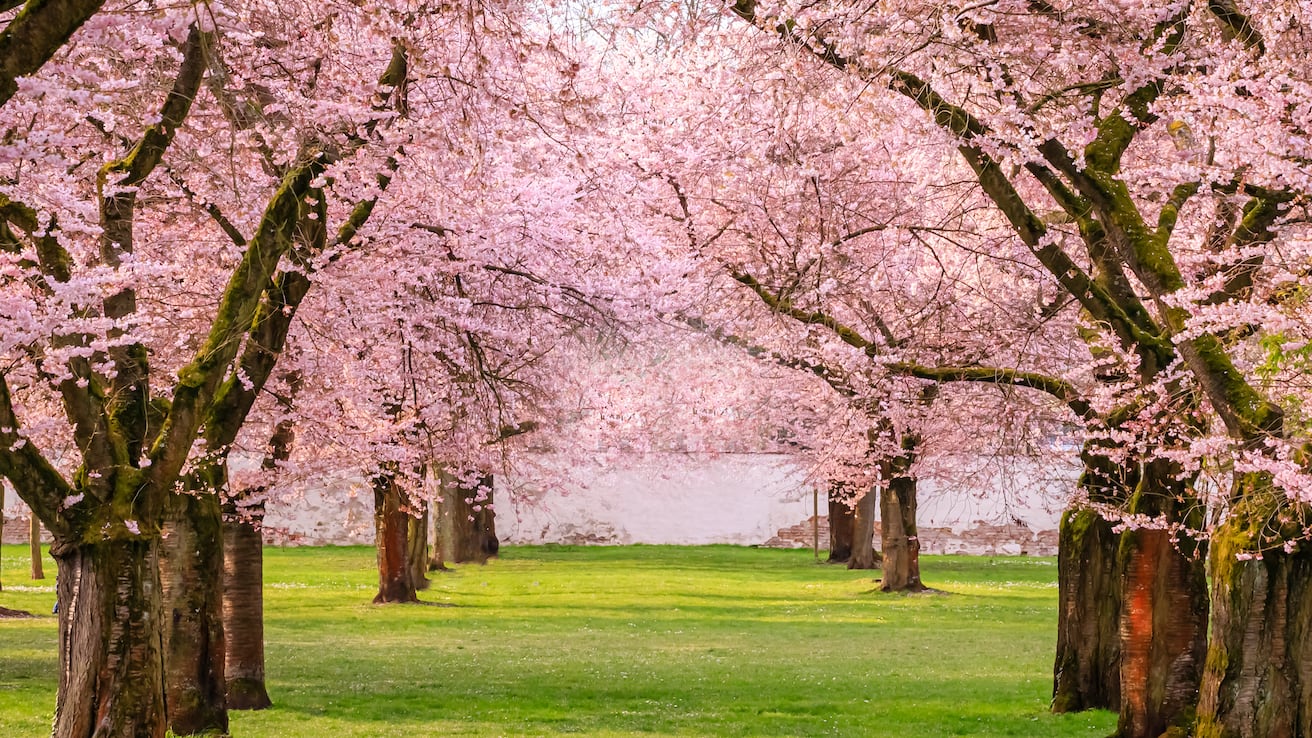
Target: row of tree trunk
206 578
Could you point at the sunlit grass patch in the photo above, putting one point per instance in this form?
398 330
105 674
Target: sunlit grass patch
626 641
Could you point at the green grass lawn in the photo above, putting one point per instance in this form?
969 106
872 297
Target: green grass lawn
626 641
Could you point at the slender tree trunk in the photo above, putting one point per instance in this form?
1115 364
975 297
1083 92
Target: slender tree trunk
863 532
466 529
392 525
1163 626
417 541
111 654
898 541
192 571
2 531
243 608
34 548
1086 675
1258 677
841 522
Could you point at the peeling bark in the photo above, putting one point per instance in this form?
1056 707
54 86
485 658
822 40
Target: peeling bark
111 654
191 558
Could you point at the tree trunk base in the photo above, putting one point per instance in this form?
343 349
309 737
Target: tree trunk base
248 694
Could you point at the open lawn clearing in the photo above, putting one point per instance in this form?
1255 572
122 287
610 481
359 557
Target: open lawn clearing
623 641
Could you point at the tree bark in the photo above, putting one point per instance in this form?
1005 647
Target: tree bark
392 525
192 571
466 528
111 655
841 521
863 532
898 541
1257 682
1086 674
417 553
243 609
1163 624
34 548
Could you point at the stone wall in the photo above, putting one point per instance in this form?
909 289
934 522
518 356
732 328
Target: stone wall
981 538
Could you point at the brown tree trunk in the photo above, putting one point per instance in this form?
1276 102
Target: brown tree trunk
863 532
111 654
898 541
417 541
1163 623
1086 675
34 548
243 608
1258 677
192 572
841 521
466 523
392 525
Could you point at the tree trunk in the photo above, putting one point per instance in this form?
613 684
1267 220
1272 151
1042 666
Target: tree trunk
841 522
863 532
34 548
1163 627
2 532
1086 675
417 555
111 654
192 571
1258 677
392 524
898 541
243 608
466 529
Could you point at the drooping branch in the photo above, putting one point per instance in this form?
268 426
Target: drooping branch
37 481
1058 388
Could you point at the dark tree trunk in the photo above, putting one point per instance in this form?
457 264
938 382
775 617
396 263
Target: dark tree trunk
243 608
898 541
1086 674
1163 625
863 532
417 541
192 571
841 522
111 655
466 523
1258 677
34 548
392 525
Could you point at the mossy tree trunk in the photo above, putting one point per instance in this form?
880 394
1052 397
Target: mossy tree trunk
1257 681
1086 675
1163 622
243 608
192 572
863 532
392 528
898 541
111 655
841 525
